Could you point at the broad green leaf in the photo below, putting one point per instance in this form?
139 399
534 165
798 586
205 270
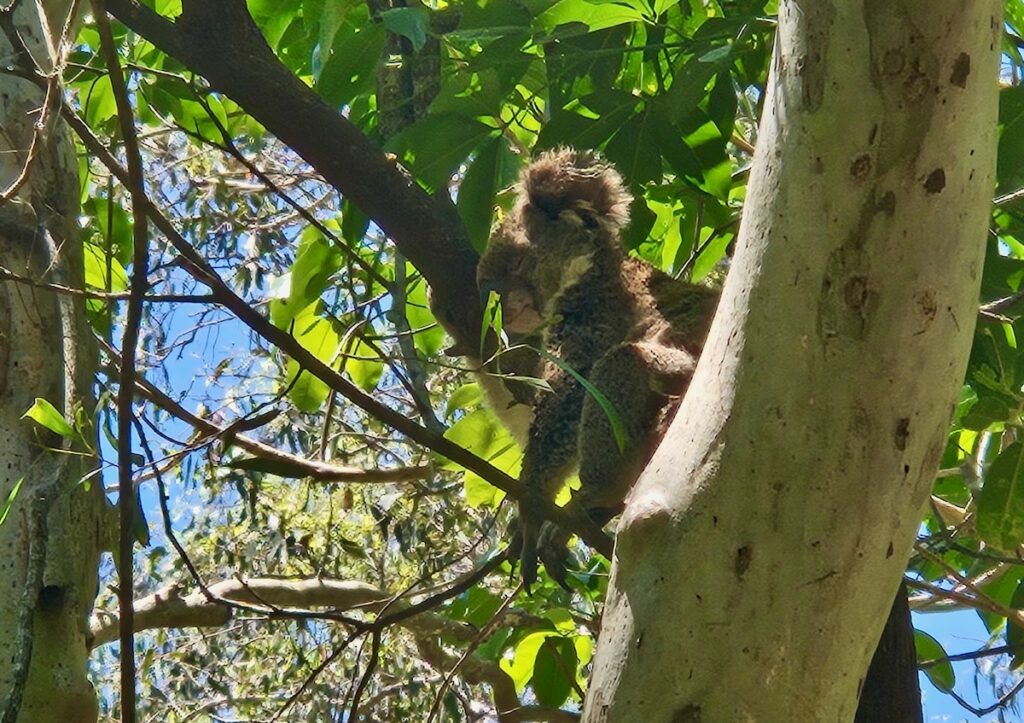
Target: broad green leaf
554 671
97 264
1000 519
409 22
316 260
521 667
435 147
113 225
483 19
928 648
274 17
587 16
985 412
1001 589
331 18
465 397
363 365
476 606
140 526
45 414
350 69
482 433
428 334
584 648
590 121
99 101
1010 159
318 336
634 150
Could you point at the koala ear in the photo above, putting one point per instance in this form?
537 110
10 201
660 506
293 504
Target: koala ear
565 179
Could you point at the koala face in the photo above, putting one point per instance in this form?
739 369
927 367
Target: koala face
507 268
570 210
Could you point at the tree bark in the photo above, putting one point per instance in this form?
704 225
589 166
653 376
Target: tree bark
762 547
892 692
51 536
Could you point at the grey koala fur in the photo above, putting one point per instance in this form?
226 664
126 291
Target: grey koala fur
634 332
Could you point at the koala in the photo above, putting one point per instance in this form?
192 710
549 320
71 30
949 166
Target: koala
568 287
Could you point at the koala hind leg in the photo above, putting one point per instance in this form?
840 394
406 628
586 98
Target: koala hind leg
626 378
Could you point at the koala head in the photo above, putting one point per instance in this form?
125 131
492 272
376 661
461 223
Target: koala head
570 208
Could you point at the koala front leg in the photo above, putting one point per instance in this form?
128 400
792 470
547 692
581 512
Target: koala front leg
550 456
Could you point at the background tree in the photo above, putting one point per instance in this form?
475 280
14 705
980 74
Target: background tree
50 498
301 436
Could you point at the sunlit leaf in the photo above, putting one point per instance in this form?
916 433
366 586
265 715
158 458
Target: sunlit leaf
929 649
46 415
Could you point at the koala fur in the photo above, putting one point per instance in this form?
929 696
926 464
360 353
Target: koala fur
567 285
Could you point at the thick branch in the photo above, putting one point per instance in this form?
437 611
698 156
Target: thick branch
218 40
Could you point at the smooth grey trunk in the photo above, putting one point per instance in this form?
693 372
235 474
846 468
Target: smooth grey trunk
760 551
49 542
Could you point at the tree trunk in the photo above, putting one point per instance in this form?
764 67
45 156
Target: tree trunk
763 545
892 693
50 537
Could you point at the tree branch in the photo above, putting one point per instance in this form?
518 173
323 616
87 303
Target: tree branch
219 40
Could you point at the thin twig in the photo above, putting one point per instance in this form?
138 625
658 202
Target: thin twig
371 666
129 345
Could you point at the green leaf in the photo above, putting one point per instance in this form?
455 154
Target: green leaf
584 16
409 22
521 667
590 121
428 336
47 415
96 266
316 261
318 336
465 397
928 648
985 412
553 671
482 19
492 169
9 502
634 150
1000 519
350 69
476 606
113 225
436 146
1014 632
331 19
363 365
140 526
274 17
99 101
618 431
481 433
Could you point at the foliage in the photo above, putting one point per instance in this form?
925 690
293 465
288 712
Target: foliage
670 92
